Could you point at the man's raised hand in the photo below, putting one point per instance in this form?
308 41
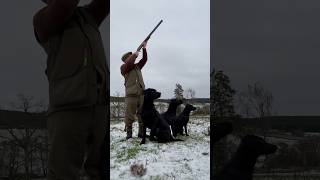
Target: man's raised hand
136 53
144 44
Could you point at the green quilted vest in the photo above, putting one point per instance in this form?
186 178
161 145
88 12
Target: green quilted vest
75 58
134 82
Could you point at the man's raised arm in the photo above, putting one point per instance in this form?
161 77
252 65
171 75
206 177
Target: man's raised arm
51 19
144 59
99 9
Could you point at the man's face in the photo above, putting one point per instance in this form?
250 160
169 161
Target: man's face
126 57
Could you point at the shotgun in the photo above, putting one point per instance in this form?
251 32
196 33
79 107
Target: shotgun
148 37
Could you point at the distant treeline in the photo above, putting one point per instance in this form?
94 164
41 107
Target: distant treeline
193 100
22 120
287 123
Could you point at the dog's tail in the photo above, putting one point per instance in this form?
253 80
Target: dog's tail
170 129
174 139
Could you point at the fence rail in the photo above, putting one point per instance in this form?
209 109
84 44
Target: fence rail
22 120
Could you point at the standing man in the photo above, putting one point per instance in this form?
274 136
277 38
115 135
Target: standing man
77 75
134 87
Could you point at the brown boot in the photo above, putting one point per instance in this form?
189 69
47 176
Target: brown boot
129 132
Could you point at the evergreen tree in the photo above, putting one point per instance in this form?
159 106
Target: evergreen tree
222 96
222 106
178 91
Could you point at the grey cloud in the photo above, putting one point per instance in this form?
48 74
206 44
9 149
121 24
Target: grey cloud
274 42
178 51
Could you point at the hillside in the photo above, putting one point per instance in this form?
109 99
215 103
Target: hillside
287 123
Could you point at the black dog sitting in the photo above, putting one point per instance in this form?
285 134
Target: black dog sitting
241 166
182 121
171 114
152 119
220 130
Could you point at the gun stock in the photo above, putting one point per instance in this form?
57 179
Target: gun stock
149 35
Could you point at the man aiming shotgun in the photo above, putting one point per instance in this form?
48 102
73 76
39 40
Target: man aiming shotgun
77 75
134 85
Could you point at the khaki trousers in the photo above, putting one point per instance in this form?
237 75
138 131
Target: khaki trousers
133 107
75 139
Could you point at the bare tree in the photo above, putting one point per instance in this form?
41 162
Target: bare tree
190 93
257 101
14 159
9 159
42 149
244 105
26 138
261 99
24 103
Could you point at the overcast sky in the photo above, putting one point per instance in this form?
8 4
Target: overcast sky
22 60
274 42
178 52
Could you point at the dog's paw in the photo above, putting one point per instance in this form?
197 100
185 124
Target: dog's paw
142 142
187 134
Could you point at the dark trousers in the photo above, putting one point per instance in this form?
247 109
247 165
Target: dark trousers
76 137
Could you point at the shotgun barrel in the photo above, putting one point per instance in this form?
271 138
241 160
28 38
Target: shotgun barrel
148 37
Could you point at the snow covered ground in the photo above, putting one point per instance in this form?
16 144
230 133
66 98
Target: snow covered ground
189 159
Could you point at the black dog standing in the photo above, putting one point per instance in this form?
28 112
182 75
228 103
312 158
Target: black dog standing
171 114
182 121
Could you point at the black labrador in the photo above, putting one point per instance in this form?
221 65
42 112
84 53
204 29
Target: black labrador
220 130
182 121
171 114
241 165
152 119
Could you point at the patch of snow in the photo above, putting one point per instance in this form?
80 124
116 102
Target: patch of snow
188 159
